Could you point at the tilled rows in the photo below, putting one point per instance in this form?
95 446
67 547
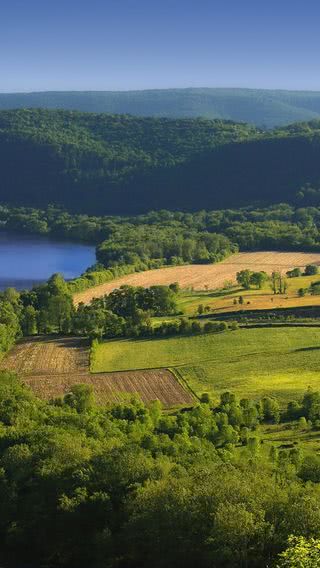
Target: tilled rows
50 367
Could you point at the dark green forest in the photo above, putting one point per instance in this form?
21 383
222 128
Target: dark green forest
266 108
109 164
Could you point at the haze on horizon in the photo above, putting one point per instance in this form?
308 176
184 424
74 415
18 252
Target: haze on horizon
137 44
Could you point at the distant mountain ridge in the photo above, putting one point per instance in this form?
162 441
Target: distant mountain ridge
264 108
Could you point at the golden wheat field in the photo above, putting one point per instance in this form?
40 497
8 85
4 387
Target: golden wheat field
205 276
50 367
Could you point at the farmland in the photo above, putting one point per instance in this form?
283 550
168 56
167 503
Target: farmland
250 362
51 366
205 276
227 299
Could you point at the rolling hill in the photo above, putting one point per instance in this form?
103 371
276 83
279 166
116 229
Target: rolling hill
265 108
117 164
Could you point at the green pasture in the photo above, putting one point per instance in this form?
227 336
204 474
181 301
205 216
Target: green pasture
282 362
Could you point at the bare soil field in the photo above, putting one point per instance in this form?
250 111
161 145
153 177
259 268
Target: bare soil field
39 356
205 276
50 367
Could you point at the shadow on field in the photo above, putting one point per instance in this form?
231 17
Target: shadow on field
219 293
59 341
315 348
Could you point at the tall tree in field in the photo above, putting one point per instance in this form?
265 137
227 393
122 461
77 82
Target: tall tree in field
244 278
258 279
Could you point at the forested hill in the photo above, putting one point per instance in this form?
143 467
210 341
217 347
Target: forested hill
265 108
112 164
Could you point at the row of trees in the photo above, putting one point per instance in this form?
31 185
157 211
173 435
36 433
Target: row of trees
310 270
49 309
278 283
126 312
248 278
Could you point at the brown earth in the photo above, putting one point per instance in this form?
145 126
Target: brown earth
205 276
51 366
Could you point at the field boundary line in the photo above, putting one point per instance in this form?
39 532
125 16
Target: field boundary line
182 381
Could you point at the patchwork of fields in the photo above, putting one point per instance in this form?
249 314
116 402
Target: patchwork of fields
250 362
205 276
253 363
50 367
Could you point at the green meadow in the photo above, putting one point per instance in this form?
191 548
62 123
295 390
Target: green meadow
282 362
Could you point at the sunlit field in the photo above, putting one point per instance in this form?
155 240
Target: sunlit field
250 362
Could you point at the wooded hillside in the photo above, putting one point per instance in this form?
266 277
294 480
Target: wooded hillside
99 163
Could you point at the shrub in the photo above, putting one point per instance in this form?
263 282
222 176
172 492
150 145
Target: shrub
311 270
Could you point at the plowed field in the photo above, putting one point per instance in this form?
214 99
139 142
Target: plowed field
202 276
50 367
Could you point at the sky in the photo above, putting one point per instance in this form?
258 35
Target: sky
149 44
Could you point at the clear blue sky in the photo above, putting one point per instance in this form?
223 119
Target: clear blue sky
140 44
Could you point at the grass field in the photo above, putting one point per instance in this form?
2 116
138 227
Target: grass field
206 276
51 366
250 362
222 300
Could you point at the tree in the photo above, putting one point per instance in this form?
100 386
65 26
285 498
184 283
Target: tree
302 423
276 282
295 273
271 409
244 278
175 287
310 469
311 270
114 325
29 321
300 553
315 289
57 285
80 397
258 279
12 296
59 311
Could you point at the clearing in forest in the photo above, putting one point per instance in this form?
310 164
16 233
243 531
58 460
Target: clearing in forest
205 276
51 366
250 362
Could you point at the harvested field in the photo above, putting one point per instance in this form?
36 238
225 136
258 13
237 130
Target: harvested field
50 367
38 356
148 385
202 276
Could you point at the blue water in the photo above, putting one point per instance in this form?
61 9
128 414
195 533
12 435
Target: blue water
26 261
